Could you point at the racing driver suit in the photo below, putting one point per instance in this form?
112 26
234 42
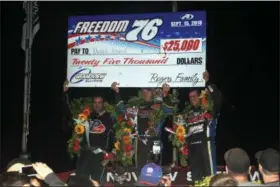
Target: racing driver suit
201 136
99 134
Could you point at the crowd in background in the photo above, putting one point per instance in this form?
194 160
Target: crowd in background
237 164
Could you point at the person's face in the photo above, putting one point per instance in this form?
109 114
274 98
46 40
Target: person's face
98 104
194 98
147 94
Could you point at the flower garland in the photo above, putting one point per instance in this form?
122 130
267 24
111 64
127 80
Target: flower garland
74 144
123 146
178 140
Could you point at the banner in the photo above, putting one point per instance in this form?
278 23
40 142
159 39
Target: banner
179 176
140 50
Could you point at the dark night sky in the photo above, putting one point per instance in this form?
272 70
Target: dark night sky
242 58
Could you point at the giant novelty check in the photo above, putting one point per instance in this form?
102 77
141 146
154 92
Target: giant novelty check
140 50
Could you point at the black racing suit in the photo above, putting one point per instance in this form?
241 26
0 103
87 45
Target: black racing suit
201 140
144 152
99 135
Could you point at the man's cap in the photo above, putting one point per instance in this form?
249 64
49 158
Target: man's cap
237 160
150 175
269 159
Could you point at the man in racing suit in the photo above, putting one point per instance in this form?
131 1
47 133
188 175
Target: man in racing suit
201 127
98 134
145 144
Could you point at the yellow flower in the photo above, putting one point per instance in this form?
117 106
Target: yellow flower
127 130
180 131
79 129
82 117
117 145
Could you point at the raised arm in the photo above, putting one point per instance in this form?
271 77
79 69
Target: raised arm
66 108
215 93
167 104
118 99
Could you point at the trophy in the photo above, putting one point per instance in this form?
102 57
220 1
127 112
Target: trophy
157 95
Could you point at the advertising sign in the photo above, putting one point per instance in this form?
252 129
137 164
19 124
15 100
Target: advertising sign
179 176
137 50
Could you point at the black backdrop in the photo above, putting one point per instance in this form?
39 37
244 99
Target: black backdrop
242 58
